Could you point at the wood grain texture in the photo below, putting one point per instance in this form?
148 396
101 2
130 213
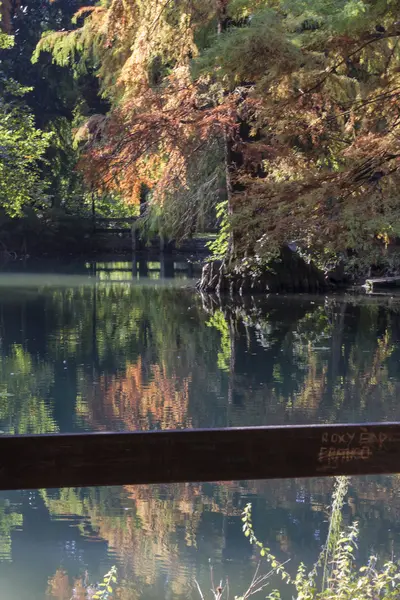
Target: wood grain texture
93 459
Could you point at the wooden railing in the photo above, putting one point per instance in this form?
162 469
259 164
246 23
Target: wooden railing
127 226
94 459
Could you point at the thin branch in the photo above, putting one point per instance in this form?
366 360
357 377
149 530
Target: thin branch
212 577
253 580
199 589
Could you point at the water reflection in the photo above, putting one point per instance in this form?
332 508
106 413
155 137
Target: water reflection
162 537
100 354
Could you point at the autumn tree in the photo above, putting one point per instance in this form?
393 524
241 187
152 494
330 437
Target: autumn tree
134 404
286 110
161 132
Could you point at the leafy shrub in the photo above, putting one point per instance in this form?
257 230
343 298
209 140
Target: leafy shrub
335 575
106 587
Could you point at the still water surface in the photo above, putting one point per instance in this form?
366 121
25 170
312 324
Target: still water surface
110 348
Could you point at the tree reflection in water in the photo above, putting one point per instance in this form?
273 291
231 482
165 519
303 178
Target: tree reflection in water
121 357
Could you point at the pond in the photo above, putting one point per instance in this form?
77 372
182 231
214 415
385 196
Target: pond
111 346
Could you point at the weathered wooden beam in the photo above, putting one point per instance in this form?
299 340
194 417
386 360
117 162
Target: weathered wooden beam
93 459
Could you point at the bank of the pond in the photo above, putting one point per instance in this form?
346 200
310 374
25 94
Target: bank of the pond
289 273
73 238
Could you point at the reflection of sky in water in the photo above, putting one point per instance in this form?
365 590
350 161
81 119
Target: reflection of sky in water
82 351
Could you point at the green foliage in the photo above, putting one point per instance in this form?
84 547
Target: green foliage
265 552
62 47
22 147
24 384
6 41
313 84
106 587
219 321
195 207
341 578
259 52
219 246
9 520
54 101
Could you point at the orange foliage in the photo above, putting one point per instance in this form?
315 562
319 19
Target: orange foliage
319 163
159 120
158 134
59 586
314 386
160 402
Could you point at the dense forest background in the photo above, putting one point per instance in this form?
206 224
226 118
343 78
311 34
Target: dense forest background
273 121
